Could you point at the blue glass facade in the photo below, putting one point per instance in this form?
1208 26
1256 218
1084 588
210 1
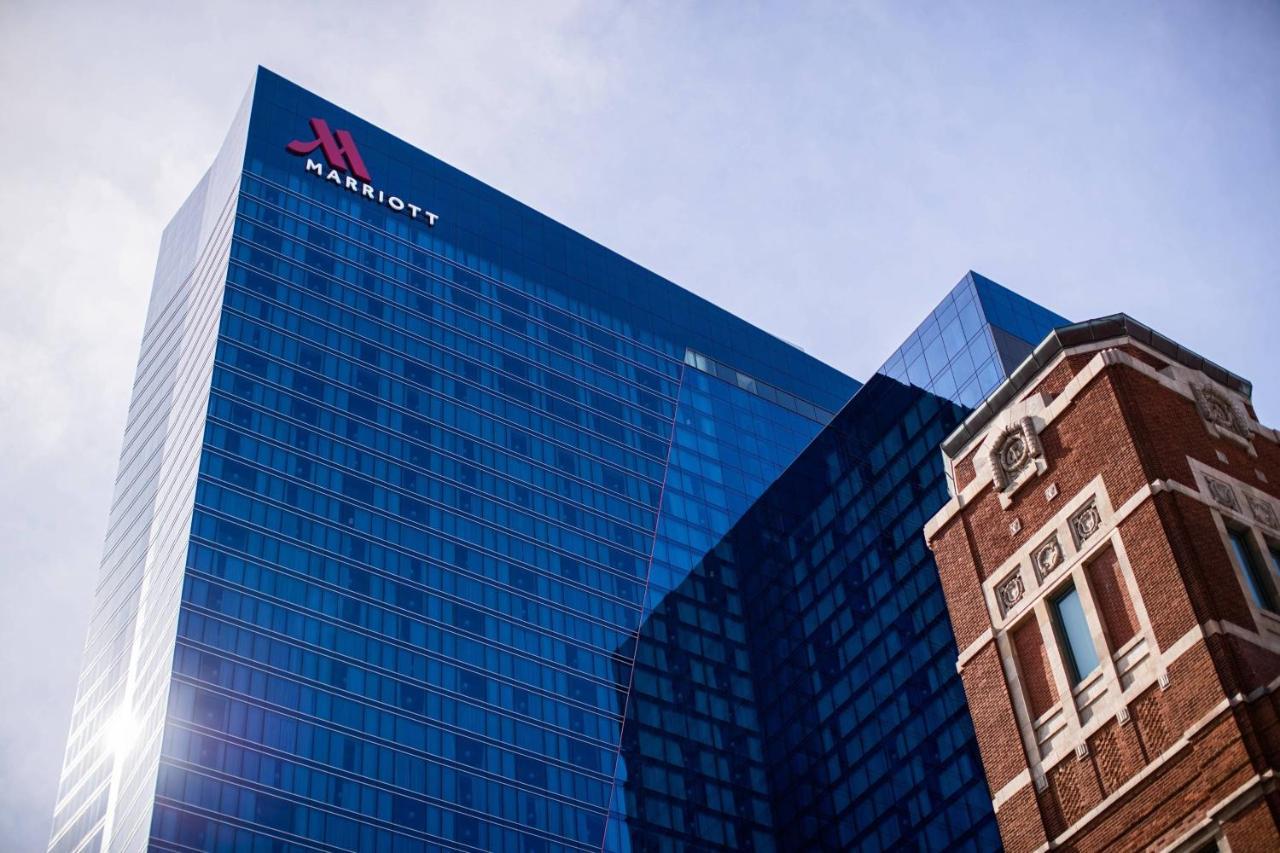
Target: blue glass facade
474 535
798 690
394 502
967 345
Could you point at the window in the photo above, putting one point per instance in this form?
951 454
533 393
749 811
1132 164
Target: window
1256 577
1073 634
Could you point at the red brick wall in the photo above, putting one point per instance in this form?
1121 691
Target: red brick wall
1022 825
1170 429
1161 580
965 471
994 722
1190 744
1112 596
1061 374
1174 800
1253 830
1089 441
1191 779
961 583
1143 356
1033 666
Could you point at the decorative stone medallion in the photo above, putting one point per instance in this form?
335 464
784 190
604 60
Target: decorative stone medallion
1215 410
1009 592
1048 557
1221 411
1086 522
1264 512
1013 451
1222 493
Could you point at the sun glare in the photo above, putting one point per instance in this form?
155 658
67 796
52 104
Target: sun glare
120 732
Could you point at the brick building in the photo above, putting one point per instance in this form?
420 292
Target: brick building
1110 557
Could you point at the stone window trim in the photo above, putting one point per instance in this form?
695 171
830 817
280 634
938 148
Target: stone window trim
1103 694
1267 622
1237 505
1244 507
1049 553
1241 502
1147 662
1238 517
1245 501
1010 591
1210 831
1069 731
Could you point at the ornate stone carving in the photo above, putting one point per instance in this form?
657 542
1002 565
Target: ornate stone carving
1013 450
1009 592
1222 493
1048 557
1086 522
1221 411
1264 512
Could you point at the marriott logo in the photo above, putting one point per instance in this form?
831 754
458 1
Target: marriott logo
346 168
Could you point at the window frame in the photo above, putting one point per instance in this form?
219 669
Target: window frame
1254 567
1271 551
1066 648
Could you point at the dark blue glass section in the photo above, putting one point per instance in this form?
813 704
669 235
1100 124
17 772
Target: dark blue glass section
976 337
1013 313
798 690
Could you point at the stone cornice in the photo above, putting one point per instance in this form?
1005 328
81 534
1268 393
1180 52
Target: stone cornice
1174 377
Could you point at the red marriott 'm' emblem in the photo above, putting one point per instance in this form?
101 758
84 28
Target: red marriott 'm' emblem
339 149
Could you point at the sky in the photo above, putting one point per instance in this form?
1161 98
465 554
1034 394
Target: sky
827 171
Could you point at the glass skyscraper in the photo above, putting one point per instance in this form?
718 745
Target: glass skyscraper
406 466
440 527
798 690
